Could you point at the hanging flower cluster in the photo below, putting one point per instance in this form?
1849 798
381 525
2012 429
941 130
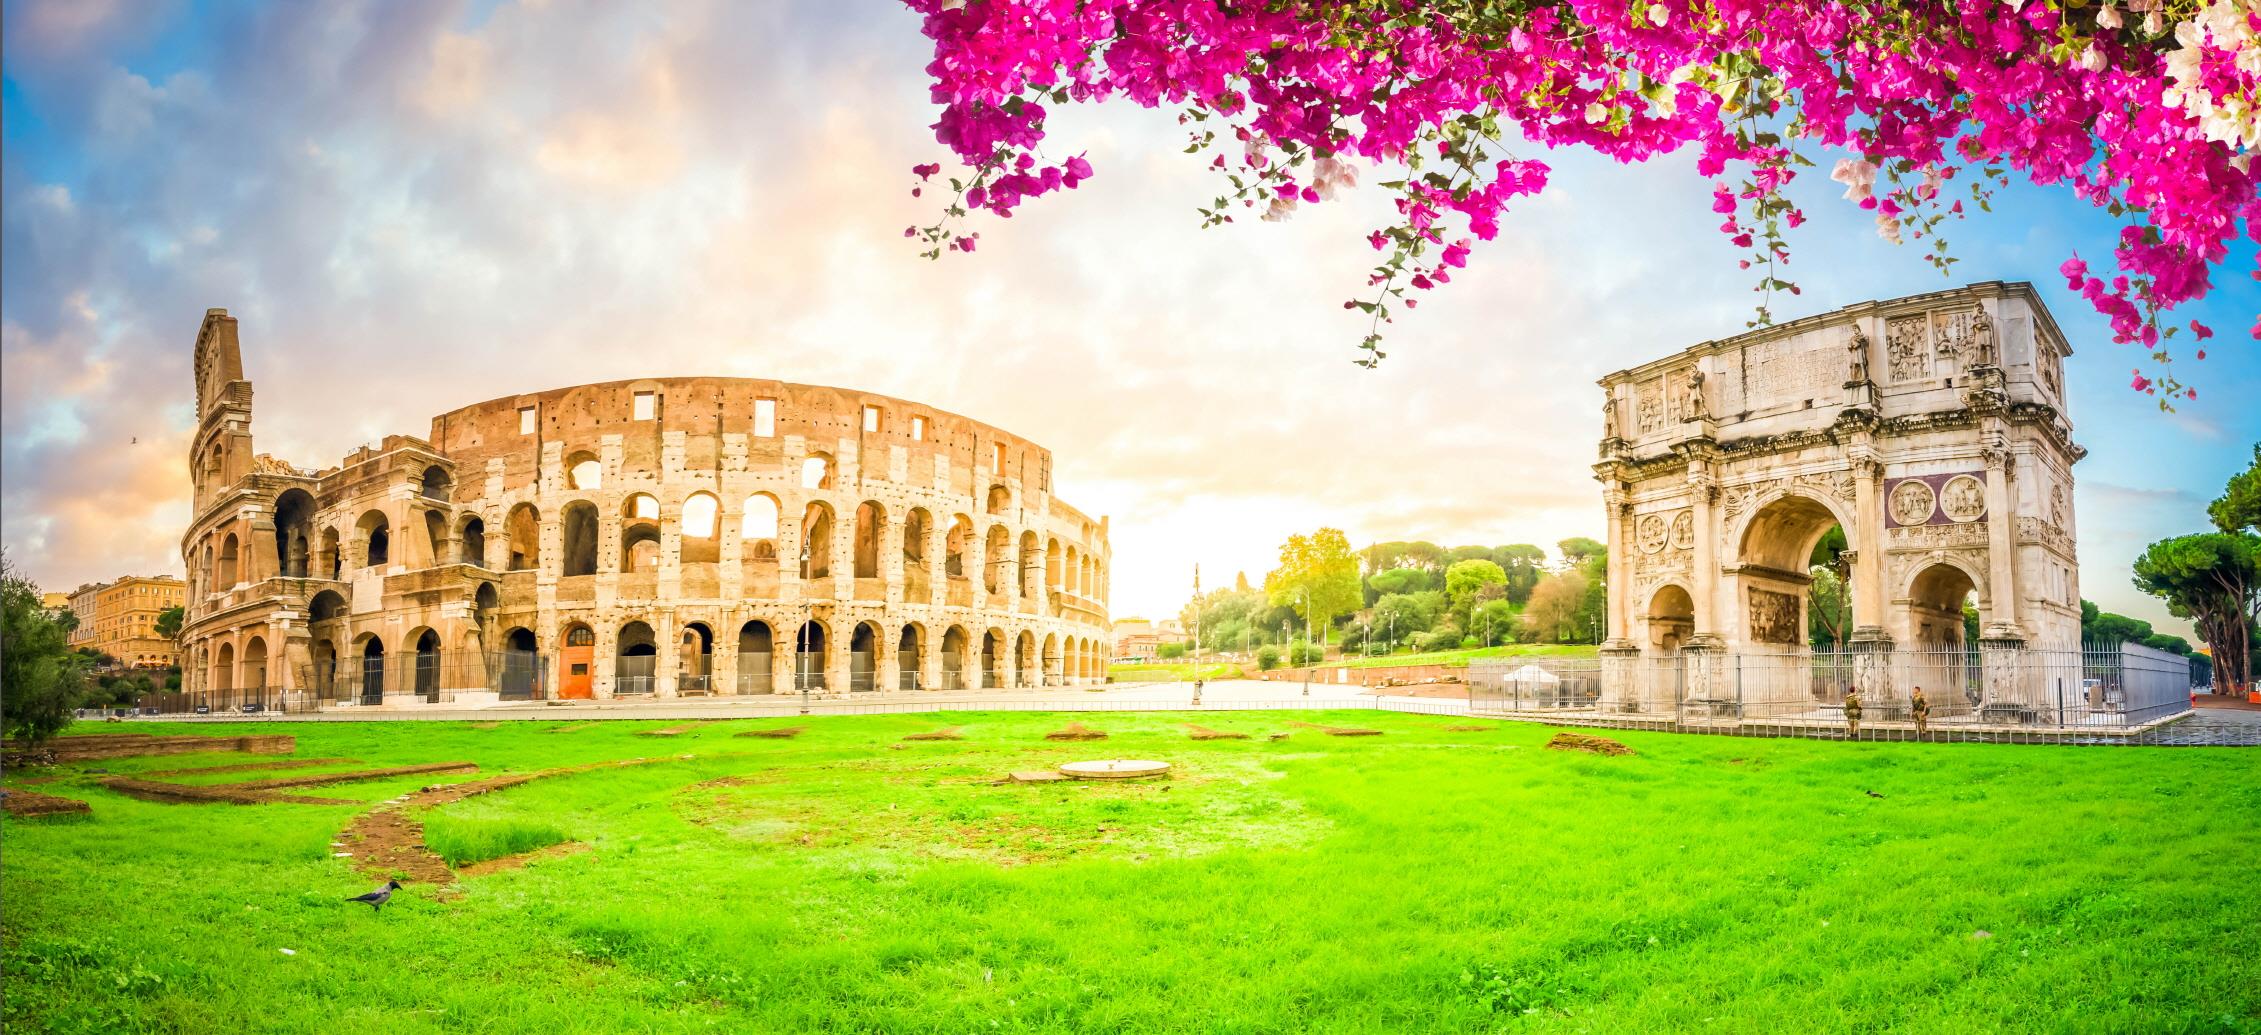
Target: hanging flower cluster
2151 112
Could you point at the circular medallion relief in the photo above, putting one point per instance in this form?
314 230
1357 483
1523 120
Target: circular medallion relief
1683 530
1963 498
1651 534
1912 503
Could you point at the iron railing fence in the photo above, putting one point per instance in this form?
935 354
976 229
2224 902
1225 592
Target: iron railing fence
694 675
634 674
754 675
2120 686
435 678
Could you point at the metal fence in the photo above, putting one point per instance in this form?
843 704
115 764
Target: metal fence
2120 686
754 675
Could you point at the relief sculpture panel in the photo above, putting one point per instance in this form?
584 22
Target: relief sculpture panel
1908 348
1774 617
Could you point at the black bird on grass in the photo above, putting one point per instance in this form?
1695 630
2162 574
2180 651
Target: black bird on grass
1872 794
379 897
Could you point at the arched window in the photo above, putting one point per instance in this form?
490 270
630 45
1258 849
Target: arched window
816 541
580 528
869 519
228 562
760 519
642 506
376 536
436 484
524 526
702 516
816 471
584 471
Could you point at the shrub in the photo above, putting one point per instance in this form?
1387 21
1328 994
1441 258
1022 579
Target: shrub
1470 643
1171 651
1267 657
1441 640
1303 652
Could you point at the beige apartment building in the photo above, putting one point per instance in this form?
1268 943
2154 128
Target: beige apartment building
120 619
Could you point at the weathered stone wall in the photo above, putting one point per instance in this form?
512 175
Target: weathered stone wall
687 514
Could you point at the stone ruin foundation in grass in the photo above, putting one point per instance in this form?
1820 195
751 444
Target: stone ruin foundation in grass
1589 744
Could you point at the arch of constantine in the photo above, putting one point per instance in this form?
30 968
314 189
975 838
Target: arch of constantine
1930 430
663 537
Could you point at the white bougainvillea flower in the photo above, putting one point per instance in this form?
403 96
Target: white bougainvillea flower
1858 176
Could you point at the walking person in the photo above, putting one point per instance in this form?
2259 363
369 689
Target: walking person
1852 711
1921 709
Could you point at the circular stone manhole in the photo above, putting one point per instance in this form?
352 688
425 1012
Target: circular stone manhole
1115 769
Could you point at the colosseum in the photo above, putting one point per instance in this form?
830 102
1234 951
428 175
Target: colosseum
679 536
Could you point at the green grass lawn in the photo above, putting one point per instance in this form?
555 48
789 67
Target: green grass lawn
1460 658
1171 671
1423 880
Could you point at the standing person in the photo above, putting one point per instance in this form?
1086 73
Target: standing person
1852 711
1921 709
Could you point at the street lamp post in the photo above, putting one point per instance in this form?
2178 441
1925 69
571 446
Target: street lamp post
1307 639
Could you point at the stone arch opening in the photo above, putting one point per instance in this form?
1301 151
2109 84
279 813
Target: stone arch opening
375 532
580 539
229 570
992 658
808 656
639 534
521 665
917 582
427 664
1671 619
1942 604
224 674
910 656
1024 658
584 471
998 579
816 541
333 555
472 539
954 658
1052 670
816 471
694 660
524 527
636 666
1000 500
1055 575
254 666
435 484
863 657
755 643
1794 575
870 519
955 545
372 675
294 532
435 539
701 525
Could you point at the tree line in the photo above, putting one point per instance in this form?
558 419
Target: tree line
2213 578
1399 595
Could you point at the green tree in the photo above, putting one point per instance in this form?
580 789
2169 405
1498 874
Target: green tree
41 678
1523 564
1305 652
1398 580
1556 605
1464 578
1318 576
168 624
1493 621
1399 617
1267 657
1577 550
1170 651
1828 604
2214 579
2239 509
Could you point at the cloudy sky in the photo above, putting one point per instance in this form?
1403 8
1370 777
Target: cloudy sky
417 205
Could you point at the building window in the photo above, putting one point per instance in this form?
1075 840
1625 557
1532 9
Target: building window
525 420
997 457
918 429
646 405
871 419
765 418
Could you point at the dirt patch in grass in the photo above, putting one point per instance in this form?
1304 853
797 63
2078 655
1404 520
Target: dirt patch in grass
32 805
389 842
1340 731
1589 744
1469 729
1205 733
676 731
1076 731
246 767
99 746
573 728
513 862
780 733
945 733
210 794
356 776
488 725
